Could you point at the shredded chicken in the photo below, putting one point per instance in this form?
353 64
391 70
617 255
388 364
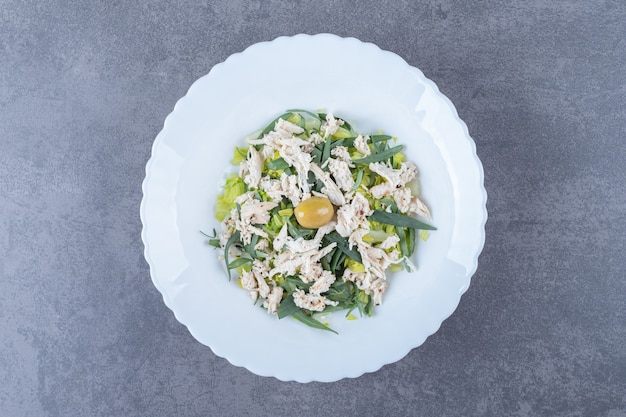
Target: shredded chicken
273 300
400 177
261 272
360 143
341 173
287 129
272 187
331 126
353 216
372 285
323 283
289 262
330 189
313 302
389 242
281 239
257 212
289 148
376 260
395 186
252 212
286 186
262 246
341 152
253 167
289 185
316 139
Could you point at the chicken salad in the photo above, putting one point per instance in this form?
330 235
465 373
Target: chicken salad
317 215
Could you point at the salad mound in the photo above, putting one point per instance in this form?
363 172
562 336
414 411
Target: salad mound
317 215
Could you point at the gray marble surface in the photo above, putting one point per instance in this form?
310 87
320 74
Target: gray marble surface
84 89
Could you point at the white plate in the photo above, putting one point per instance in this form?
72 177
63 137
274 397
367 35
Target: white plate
374 90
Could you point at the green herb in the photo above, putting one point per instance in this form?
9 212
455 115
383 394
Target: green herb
317 155
390 203
277 164
234 238
400 220
341 142
288 307
337 259
342 245
380 147
325 263
411 240
239 262
404 247
379 156
293 283
359 178
296 232
379 138
249 248
302 317
325 151
362 302
213 240
341 292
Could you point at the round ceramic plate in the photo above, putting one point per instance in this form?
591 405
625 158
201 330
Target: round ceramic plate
375 91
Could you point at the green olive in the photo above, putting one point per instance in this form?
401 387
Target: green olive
314 212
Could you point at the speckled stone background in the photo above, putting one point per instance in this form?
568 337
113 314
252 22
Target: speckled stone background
84 89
